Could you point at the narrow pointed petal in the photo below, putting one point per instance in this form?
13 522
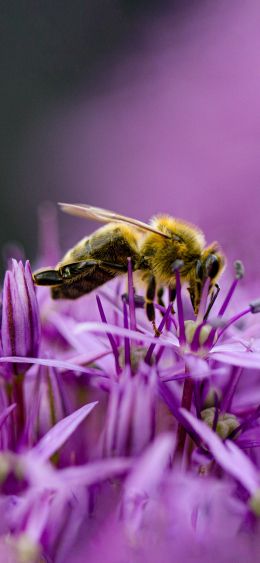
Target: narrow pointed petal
149 469
6 412
227 454
56 437
61 364
197 367
244 359
98 328
93 473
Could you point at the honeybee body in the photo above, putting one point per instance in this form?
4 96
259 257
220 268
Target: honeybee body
186 245
154 250
108 248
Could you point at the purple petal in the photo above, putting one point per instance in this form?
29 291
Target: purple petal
143 420
233 345
249 474
67 326
38 516
95 472
125 413
111 420
4 415
34 314
135 335
244 359
62 364
13 321
246 443
56 437
145 479
250 438
20 317
28 307
198 368
149 469
110 336
227 454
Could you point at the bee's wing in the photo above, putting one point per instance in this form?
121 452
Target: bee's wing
105 216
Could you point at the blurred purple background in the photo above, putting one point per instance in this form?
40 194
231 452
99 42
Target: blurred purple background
140 108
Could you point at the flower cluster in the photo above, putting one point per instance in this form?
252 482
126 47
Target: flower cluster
121 446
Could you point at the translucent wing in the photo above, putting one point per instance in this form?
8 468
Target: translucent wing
105 216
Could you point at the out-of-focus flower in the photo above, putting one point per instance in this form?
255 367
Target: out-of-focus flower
130 423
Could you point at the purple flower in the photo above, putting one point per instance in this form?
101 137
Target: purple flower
231 459
119 445
20 328
130 421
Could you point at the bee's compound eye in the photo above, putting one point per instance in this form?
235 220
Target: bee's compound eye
212 266
199 270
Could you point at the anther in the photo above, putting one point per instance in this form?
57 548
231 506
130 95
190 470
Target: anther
255 306
239 269
177 264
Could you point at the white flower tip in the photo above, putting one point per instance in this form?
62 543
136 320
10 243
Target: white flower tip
239 269
255 306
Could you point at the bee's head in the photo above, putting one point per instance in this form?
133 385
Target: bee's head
210 265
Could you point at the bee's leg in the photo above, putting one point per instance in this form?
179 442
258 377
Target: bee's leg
138 300
47 277
172 296
149 303
160 300
86 266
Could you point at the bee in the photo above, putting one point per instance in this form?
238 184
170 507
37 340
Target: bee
154 249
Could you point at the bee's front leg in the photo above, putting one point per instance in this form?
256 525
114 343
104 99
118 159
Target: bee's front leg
149 303
172 297
47 277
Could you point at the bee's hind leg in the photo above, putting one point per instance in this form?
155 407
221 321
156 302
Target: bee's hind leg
172 297
149 303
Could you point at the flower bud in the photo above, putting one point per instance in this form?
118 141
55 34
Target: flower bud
20 330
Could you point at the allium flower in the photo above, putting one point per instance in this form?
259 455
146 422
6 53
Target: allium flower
118 445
